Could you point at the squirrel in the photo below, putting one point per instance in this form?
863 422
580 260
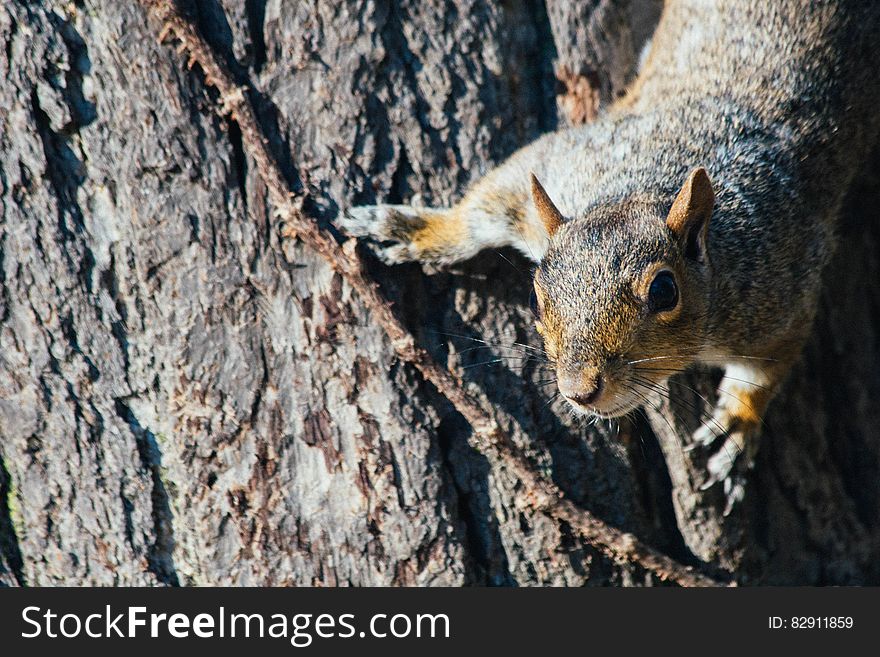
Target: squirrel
690 223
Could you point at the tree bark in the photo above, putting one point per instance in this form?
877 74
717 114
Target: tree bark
179 404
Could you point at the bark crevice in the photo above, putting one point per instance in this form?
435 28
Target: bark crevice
161 552
10 550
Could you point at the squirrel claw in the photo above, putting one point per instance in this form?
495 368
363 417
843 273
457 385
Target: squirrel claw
720 464
734 492
728 466
378 223
393 254
705 436
366 221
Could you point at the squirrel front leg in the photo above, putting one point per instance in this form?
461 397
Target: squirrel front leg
496 212
745 391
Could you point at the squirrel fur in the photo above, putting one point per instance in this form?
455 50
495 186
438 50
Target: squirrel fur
725 166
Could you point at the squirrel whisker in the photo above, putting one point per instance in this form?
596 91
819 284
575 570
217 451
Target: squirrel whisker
497 360
681 371
693 408
537 357
647 402
489 344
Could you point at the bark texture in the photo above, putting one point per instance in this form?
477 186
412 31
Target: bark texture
179 404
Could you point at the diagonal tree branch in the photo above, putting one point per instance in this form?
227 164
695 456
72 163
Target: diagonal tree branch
487 437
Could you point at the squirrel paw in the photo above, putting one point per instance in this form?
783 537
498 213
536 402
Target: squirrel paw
388 229
708 433
730 463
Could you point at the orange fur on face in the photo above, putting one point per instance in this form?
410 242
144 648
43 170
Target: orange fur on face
546 326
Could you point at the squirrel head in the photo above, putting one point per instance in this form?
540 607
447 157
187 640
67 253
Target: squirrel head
622 294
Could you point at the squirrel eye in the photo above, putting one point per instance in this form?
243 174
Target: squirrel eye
533 304
663 293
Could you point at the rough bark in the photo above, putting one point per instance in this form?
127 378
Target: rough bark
179 404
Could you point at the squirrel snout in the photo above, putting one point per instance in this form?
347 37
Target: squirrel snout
582 388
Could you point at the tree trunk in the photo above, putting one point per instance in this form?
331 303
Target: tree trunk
184 400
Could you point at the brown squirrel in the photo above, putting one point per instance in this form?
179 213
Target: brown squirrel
692 221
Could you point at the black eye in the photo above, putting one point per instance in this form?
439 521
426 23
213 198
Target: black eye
663 293
533 304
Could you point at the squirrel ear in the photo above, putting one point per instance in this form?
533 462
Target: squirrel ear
551 217
689 216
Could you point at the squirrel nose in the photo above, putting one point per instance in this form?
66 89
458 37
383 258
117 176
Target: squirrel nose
581 388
